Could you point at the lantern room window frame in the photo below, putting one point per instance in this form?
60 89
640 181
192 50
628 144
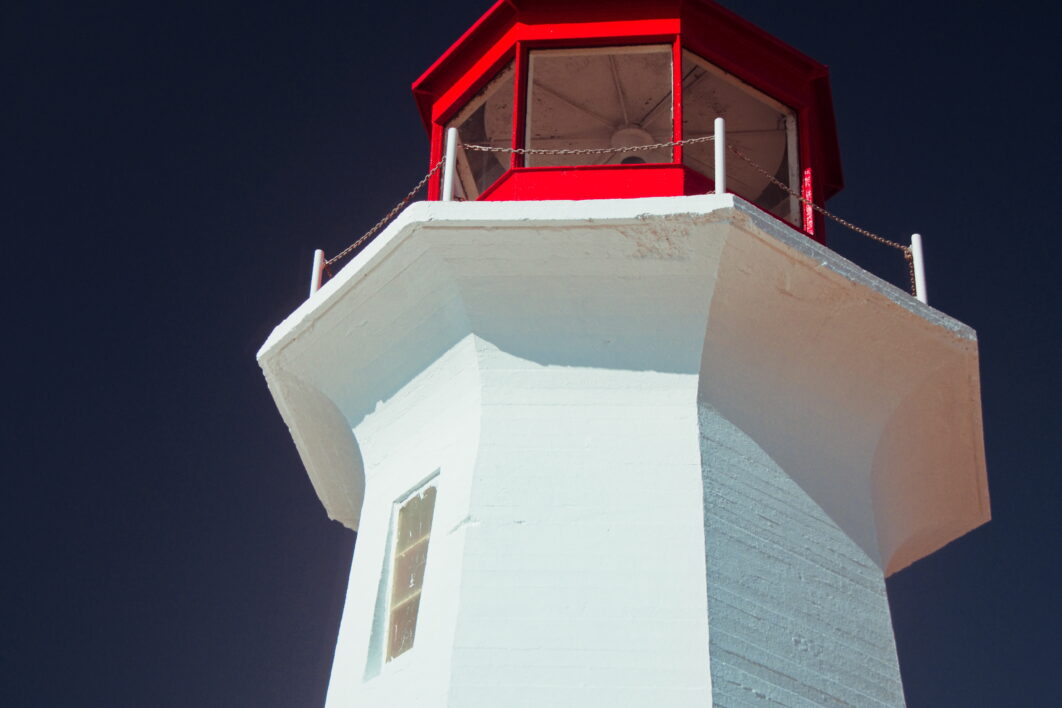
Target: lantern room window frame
512 29
620 87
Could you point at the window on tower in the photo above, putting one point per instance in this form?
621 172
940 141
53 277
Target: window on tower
603 97
412 532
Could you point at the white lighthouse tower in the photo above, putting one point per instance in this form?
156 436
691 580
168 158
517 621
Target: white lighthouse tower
609 434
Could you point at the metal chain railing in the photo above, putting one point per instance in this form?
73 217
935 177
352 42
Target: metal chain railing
905 250
387 217
488 148
587 151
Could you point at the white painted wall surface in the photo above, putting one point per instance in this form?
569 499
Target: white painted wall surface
798 612
567 554
431 425
583 573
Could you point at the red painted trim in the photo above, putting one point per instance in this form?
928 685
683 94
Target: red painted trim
547 11
676 98
456 61
457 94
435 183
596 182
819 233
520 104
696 183
590 34
605 41
808 192
535 183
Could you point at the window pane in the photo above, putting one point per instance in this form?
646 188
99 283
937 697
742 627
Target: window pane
486 120
409 572
414 519
412 535
758 126
599 98
403 627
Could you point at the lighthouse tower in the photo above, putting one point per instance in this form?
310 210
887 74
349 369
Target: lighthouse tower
613 424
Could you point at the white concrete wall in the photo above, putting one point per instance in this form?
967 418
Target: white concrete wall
566 564
431 425
797 610
580 512
583 575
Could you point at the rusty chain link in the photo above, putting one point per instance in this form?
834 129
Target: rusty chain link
387 217
587 151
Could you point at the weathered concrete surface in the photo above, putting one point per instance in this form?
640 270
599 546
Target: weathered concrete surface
797 611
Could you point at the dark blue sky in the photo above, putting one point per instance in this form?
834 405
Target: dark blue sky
168 172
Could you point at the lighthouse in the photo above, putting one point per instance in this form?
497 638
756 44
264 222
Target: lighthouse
614 426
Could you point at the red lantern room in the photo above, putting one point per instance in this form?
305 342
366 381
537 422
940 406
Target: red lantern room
554 75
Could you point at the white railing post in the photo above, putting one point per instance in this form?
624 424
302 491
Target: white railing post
720 156
318 271
450 165
919 268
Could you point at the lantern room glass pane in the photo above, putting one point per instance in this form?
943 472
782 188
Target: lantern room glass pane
599 98
485 120
757 125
